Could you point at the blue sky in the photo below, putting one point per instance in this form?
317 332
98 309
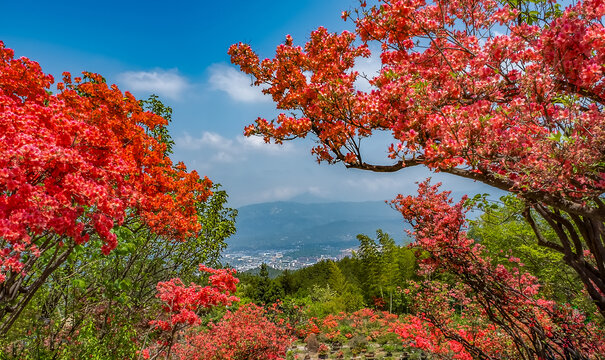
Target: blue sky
178 50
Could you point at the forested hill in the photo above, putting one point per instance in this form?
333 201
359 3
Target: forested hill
284 224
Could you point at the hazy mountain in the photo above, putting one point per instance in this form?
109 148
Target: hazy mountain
287 225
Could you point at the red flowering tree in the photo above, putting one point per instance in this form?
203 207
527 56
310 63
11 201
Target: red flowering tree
183 305
248 333
507 93
73 166
493 312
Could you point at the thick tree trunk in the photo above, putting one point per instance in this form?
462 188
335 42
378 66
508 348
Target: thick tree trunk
582 243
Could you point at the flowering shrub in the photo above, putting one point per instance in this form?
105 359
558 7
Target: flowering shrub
245 334
290 315
250 332
367 323
493 311
73 163
182 305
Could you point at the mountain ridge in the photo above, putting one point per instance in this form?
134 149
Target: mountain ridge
288 224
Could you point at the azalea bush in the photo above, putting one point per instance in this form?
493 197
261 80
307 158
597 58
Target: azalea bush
369 324
182 306
491 311
247 333
75 165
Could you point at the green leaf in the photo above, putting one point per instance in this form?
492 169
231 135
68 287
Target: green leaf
125 284
555 137
79 283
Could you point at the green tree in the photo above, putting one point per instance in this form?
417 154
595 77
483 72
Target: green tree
287 282
386 269
369 256
336 281
348 297
263 289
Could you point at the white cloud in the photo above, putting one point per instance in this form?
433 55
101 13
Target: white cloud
206 140
293 193
166 83
220 149
279 193
256 143
372 184
235 83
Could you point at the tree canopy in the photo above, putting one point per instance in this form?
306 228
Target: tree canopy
507 93
75 164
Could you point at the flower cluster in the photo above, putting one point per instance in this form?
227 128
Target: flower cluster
77 163
247 333
366 323
183 303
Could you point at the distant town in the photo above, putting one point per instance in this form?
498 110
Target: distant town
291 235
284 259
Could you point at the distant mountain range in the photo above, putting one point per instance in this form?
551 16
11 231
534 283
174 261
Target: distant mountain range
295 225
